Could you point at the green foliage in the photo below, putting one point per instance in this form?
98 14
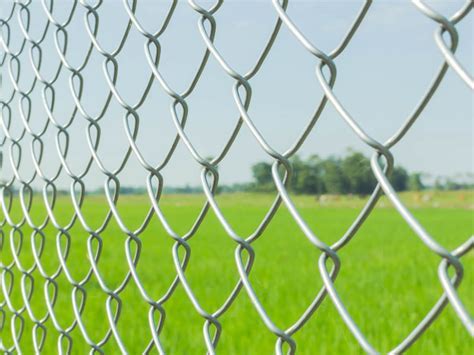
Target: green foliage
335 182
359 175
262 173
399 179
349 175
307 175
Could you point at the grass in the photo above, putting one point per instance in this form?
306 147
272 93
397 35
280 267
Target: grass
388 279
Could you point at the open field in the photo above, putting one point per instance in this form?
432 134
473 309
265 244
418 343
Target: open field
388 279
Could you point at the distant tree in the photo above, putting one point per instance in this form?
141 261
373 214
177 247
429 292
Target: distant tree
351 174
299 168
359 175
415 183
335 182
313 180
262 174
399 179
307 175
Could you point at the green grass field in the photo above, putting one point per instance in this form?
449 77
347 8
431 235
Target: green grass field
388 279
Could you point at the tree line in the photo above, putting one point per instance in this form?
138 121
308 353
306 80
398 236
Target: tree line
351 174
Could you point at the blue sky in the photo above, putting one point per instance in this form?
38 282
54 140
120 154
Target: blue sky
382 75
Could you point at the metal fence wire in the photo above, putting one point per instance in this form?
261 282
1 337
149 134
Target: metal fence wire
22 47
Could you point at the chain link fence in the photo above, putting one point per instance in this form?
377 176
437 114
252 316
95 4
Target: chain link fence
25 135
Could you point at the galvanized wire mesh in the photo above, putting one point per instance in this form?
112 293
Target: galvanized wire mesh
30 139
